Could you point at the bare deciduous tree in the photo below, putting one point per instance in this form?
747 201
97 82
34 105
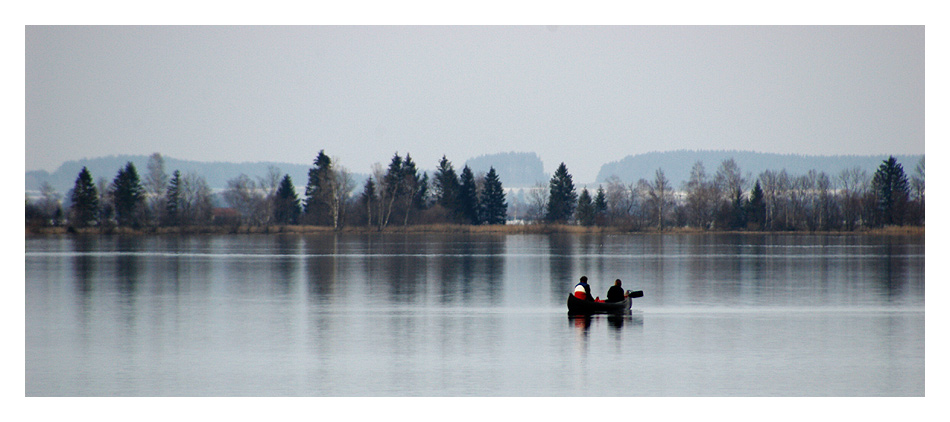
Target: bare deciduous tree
660 201
156 183
339 188
243 195
196 202
730 183
268 185
537 201
621 200
701 197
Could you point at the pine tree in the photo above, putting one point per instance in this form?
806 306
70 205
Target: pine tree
128 195
493 206
392 188
287 206
755 208
173 200
585 209
892 192
317 192
600 206
445 186
467 205
369 199
411 183
421 199
562 198
85 199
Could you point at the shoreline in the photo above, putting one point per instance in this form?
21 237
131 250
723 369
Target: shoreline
442 229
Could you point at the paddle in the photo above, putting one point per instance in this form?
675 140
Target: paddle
631 294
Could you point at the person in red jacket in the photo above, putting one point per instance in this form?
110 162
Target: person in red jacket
582 290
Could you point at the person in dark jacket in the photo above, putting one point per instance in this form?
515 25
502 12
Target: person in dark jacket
615 292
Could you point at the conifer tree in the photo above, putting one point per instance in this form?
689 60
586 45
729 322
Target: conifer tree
173 200
892 192
600 206
445 186
421 199
585 209
391 189
85 200
317 192
369 200
493 206
467 205
287 207
756 206
562 198
411 184
128 195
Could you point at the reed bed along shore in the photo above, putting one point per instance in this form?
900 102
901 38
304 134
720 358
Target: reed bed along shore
438 229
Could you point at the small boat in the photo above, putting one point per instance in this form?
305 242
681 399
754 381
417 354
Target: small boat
577 306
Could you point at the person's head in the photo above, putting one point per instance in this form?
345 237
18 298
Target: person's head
617 283
584 279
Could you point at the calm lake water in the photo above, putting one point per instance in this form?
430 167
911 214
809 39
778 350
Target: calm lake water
473 315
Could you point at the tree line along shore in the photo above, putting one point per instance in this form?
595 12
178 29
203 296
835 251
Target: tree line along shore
440 229
400 198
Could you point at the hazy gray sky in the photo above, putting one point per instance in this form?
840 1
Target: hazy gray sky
581 95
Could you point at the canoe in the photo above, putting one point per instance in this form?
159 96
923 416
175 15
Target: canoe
577 306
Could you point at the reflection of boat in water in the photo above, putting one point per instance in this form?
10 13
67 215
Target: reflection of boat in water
616 321
577 306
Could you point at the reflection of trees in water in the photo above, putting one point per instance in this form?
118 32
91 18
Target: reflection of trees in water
561 256
285 267
592 262
175 268
470 268
779 269
84 269
654 267
127 278
714 266
893 278
84 266
321 266
762 266
455 266
127 269
404 265
494 266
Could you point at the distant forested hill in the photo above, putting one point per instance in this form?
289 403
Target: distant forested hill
515 169
676 165
216 174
